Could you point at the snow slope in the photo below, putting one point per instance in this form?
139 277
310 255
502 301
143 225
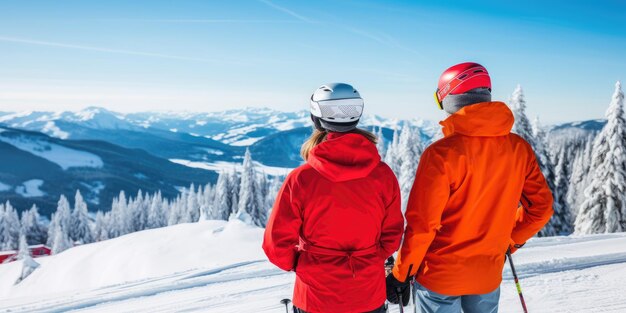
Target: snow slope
63 156
4 187
30 188
225 166
214 266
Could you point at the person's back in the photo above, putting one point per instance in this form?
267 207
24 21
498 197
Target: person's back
335 221
462 213
486 169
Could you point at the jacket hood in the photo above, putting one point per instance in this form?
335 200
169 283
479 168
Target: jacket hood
486 119
344 156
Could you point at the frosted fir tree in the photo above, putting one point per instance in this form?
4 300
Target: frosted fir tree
119 220
579 178
221 206
79 229
139 211
604 208
272 192
537 129
9 227
34 230
23 250
522 125
193 205
60 240
251 208
58 230
101 227
204 214
28 264
409 153
562 178
175 212
380 144
157 215
560 223
391 155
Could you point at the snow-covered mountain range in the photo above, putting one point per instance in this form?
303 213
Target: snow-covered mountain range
241 127
101 152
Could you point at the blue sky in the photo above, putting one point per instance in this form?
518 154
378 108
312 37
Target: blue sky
214 55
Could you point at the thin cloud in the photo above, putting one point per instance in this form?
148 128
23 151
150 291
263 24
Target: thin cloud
379 37
200 21
288 11
109 50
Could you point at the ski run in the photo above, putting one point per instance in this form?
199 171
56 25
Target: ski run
218 266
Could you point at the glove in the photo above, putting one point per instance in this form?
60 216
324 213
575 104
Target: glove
514 246
395 287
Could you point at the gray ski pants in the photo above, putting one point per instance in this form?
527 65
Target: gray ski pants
432 302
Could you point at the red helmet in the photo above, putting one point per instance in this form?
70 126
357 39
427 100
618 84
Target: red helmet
461 78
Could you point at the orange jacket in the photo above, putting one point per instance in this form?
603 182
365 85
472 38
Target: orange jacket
461 214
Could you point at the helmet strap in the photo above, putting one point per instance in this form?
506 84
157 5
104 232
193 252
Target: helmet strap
317 123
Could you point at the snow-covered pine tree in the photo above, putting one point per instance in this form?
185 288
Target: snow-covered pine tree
380 144
250 195
579 178
522 125
391 155
120 217
561 180
101 227
175 212
139 209
560 223
221 207
193 205
3 229
23 251
60 240
205 201
79 228
28 264
263 185
273 189
234 185
409 153
604 208
58 230
157 215
32 228
9 227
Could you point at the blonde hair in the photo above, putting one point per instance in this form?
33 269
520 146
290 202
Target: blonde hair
319 136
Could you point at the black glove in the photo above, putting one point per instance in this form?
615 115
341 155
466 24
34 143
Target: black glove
395 287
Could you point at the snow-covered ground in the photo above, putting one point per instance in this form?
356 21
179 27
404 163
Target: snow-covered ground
215 266
4 187
221 165
30 188
63 156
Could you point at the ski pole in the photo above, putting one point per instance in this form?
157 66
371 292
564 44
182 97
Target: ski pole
399 293
517 284
286 303
413 295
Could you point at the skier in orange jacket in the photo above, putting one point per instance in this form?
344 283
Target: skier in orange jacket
462 214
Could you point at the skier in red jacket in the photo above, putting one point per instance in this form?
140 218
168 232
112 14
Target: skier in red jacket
337 217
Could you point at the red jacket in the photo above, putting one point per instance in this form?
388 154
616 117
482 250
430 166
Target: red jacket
343 200
462 210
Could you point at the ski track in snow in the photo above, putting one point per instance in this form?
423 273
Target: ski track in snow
560 274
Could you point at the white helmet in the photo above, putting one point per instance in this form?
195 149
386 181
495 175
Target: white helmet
336 107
